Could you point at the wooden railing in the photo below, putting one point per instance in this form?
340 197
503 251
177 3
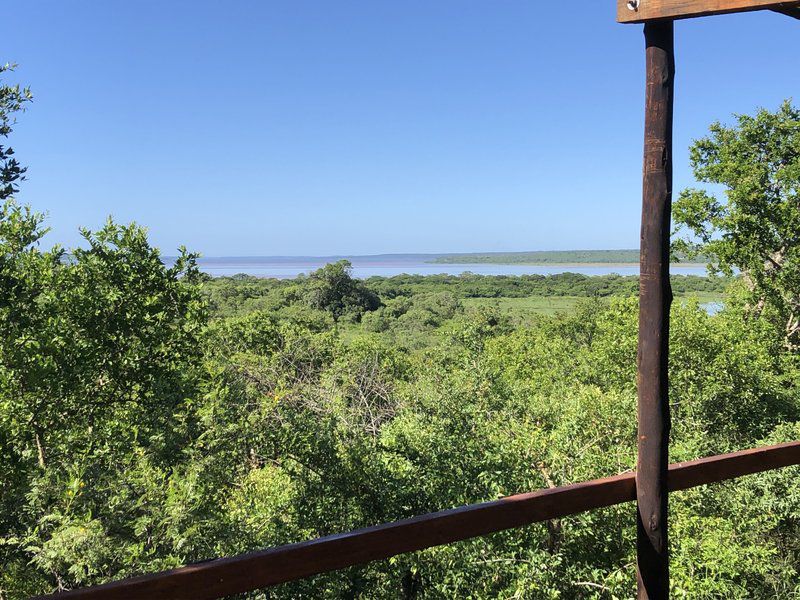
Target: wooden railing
246 572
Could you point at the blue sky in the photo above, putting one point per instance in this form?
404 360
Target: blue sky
319 127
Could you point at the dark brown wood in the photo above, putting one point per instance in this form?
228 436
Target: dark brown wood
655 298
651 10
714 469
226 576
789 11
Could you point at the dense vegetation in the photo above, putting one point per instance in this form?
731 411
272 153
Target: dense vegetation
244 293
755 228
150 417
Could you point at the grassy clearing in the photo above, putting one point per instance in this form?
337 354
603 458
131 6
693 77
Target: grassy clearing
524 308
540 305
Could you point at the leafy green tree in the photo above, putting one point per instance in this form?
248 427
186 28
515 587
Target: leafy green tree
12 100
99 356
333 288
756 229
89 337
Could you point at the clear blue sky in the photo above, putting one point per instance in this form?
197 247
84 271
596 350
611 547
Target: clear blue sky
321 127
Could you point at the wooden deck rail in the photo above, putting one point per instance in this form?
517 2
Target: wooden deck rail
225 576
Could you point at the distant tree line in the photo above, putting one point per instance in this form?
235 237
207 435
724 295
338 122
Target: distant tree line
556 257
326 289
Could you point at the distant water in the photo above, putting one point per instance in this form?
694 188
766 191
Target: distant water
398 264
712 308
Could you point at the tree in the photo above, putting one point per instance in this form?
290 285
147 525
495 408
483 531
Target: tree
105 335
99 360
756 230
333 288
12 100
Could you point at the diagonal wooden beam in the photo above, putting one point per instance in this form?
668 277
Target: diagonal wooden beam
641 11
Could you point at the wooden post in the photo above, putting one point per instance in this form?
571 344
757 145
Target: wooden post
655 297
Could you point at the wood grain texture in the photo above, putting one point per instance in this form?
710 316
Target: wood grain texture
655 298
226 576
649 10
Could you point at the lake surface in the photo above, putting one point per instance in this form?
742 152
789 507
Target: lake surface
411 264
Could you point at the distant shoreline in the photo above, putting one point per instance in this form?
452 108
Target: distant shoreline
625 257
581 262
693 265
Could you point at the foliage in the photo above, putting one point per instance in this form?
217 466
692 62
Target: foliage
99 359
241 294
169 437
469 285
333 289
755 230
12 100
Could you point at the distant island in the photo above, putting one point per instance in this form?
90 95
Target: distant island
547 257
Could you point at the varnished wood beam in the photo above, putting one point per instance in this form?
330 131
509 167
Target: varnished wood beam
640 11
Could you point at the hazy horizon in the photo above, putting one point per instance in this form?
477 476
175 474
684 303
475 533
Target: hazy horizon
389 254
388 265
360 128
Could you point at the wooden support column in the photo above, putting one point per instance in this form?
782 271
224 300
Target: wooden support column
655 297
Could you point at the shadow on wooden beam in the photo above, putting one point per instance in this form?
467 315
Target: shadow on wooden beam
226 576
790 11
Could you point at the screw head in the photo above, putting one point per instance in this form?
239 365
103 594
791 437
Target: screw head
633 4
